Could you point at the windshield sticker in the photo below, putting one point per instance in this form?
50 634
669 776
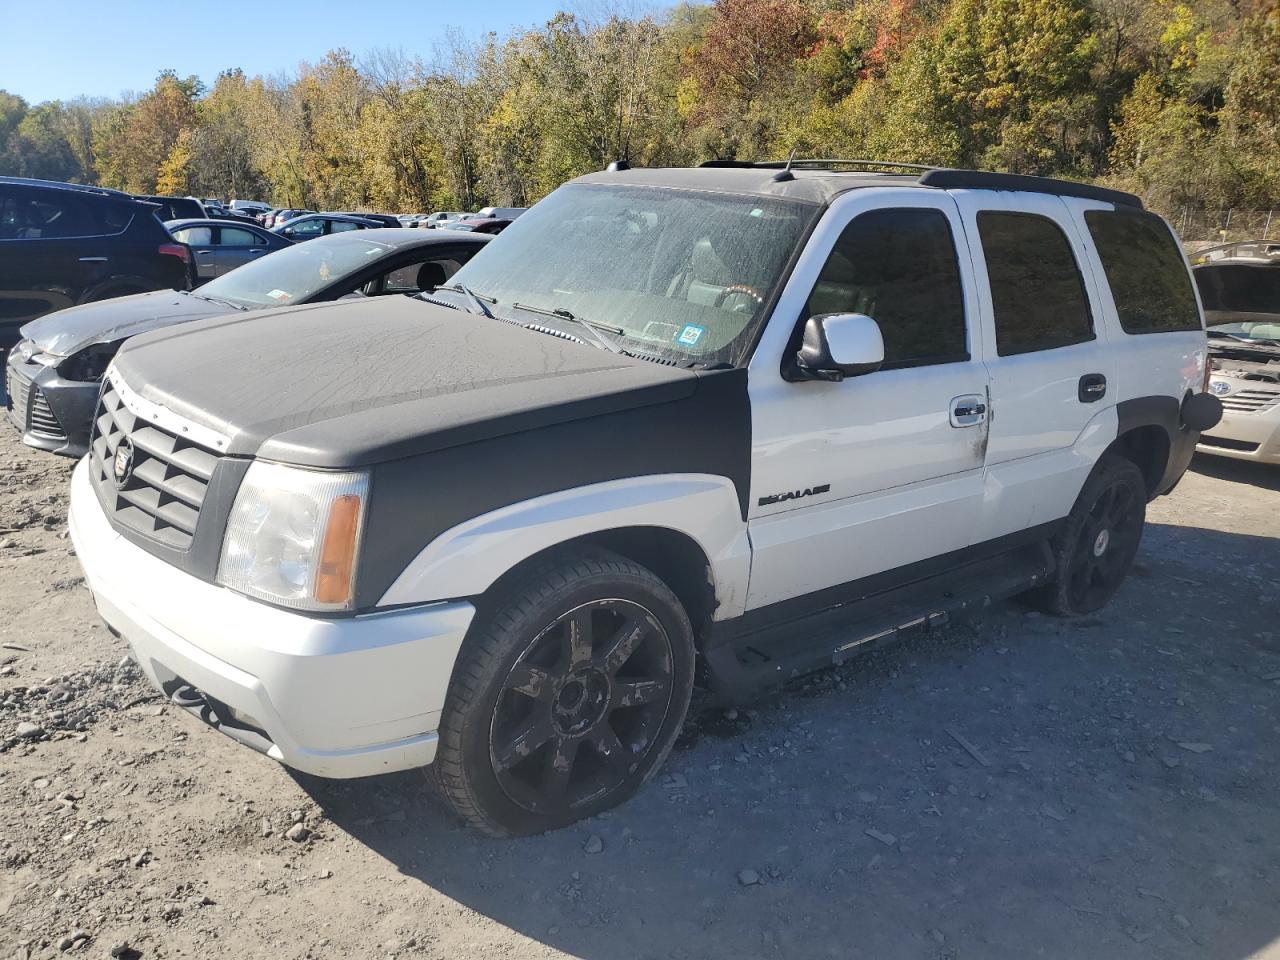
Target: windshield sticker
280 296
690 335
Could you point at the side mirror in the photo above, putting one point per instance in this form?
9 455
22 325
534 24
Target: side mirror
286 231
838 345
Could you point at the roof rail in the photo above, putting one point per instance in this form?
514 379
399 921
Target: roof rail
61 185
986 180
815 163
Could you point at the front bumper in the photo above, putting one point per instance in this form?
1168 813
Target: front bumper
331 697
1245 436
50 412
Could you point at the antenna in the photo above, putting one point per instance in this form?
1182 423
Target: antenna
785 173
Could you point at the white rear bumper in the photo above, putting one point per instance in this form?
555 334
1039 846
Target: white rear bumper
334 697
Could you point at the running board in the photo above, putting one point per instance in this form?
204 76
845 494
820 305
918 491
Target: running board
742 663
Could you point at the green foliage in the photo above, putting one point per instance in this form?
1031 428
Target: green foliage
1177 99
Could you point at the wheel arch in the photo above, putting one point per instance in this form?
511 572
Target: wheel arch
687 528
1151 434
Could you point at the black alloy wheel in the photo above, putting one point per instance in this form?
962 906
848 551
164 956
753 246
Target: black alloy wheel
1100 540
581 707
567 695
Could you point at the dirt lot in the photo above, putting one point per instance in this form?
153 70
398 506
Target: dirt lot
1022 787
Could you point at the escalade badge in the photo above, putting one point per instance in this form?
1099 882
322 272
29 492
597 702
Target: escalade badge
773 498
122 466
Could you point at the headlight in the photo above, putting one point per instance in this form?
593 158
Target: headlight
88 365
293 536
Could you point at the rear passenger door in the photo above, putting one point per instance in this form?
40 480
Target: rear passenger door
237 246
1047 355
875 473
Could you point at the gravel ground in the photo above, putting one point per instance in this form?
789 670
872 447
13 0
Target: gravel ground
1018 787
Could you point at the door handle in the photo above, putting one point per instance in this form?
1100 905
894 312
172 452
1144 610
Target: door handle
968 411
93 259
1093 387
204 253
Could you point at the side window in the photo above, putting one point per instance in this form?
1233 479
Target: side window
899 267
1144 268
309 228
423 275
46 215
1037 292
195 236
236 237
339 226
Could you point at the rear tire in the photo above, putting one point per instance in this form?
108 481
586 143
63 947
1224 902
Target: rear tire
566 697
1096 548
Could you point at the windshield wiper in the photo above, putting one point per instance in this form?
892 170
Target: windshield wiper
221 300
476 300
591 326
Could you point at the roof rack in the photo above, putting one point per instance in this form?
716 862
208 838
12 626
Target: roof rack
985 180
60 185
807 163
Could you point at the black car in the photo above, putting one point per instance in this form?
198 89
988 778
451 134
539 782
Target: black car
219 246
176 208
63 244
54 373
322 225
381 219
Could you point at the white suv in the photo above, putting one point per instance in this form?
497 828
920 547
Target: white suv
739 421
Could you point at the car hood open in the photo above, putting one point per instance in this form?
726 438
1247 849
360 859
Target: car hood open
68 331
362 382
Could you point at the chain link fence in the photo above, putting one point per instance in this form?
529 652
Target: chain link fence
1200 227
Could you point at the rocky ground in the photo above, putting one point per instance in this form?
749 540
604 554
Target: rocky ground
1019 787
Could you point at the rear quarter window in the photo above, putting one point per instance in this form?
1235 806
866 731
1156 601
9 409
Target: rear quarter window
1145 270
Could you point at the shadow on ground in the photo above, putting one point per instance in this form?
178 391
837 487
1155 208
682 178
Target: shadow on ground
1238 471
1120 803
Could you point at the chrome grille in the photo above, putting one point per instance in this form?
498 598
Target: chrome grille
1251 401
18 388
43 422
162 495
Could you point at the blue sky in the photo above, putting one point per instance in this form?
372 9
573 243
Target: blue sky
58 50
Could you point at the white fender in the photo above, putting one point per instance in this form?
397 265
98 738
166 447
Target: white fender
465 560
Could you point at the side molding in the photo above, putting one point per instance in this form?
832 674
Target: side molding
465 560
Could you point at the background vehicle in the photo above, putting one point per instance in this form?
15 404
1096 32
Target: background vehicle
55 373
280 217
505 213
441 217
63 244
479 224
249 208
219 246
749 419
314 225
381 219
176 208
1240 291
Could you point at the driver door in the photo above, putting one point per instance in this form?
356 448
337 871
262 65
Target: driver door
877 472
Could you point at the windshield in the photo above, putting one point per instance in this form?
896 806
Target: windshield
295 273
675 273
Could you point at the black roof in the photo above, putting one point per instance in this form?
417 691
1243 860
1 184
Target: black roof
59 185
821 180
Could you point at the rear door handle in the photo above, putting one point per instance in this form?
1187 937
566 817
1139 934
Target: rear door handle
93 259
969 410
1093 387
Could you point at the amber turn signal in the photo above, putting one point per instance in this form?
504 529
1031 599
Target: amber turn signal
335 575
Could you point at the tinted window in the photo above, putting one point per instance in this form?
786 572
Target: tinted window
1037 293
1144 268
308 228
49 215
899 267
337 226
236 237
196 236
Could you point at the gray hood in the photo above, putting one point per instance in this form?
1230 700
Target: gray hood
366 381
69 331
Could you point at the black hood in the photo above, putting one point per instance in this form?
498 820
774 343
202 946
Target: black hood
68 331
363 382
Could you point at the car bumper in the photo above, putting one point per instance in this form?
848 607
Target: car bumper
1245 436
51 413
337 698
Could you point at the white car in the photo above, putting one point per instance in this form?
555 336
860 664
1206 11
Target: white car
1241 295
735 422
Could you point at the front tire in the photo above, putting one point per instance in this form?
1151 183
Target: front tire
566 697
1095 550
